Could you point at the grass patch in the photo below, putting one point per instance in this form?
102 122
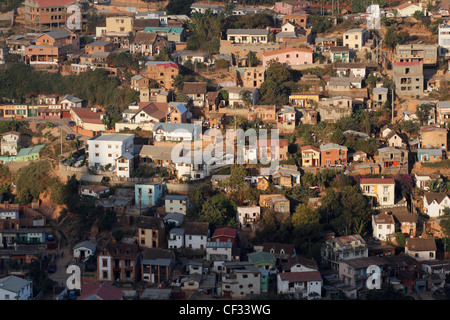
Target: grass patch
440 164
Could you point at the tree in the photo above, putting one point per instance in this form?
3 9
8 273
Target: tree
304 217
179 6
391 38
423 112
32 180
252 60
246 97
337 137
205 31
164 54
218 210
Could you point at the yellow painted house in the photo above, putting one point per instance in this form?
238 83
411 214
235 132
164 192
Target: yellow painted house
310 156
304 99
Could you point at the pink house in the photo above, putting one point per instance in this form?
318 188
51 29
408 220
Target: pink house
290 7
289 56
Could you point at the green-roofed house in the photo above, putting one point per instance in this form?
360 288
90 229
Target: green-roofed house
265 262
29 154
172 33
262 260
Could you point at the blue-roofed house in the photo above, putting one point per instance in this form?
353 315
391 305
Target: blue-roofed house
177 113
15 288
148 194
175 218
429 155
379 96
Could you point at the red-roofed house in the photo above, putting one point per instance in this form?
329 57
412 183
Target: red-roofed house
163 72
104 291
87 119
225 235
306 284
382 190
310 156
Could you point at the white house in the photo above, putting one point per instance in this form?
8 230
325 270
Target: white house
248 216
15 288
240 279
196 235
176 203
421 248
175 131
124 165
219 250
383 225
9 214
434 203
176 238
175 218
235 95
69 101
10 142
105 149
382 190
306 284
84 250
94 190
423 180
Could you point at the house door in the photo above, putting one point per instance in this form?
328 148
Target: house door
82 254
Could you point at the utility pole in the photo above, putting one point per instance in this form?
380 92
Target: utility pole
392 99
60 136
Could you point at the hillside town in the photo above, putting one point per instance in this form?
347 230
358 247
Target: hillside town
241 150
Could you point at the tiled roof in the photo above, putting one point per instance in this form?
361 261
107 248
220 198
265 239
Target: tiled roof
421 244
104 291
377 181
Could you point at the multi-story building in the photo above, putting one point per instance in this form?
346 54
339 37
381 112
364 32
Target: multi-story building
444 40
11 141
353 272
331 110
342 249
151 232
118 262
433 137
176 203
196 235
355 38
148 194
43 14
289 56
275 202
103 150
248 35
381 190
443 113
291 7
383 226
310 156
332 154
298 19
417 52
408 78
393 160
240 280
248 216
267 114
251 77
162 72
